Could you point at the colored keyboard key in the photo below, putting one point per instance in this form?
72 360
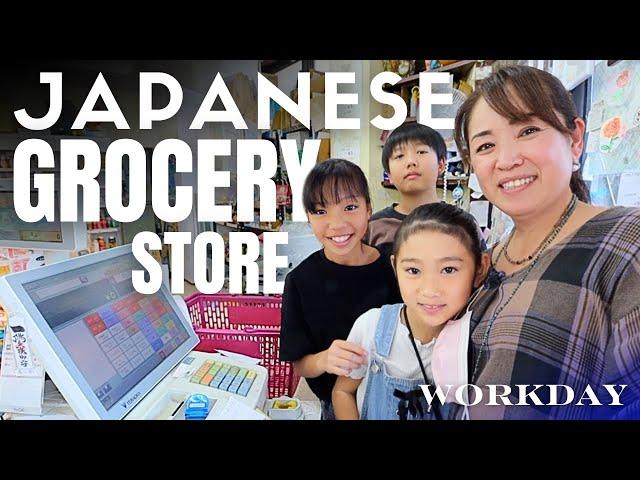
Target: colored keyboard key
229 378
245 386
214 368
237 381
217 380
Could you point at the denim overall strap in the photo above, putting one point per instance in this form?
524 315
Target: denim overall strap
386 329
379 402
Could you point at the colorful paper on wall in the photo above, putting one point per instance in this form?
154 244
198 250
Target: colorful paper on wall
613 142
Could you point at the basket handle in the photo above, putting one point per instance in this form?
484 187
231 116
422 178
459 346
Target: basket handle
261 331
233 331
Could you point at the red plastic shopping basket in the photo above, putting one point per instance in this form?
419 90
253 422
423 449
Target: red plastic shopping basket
244 324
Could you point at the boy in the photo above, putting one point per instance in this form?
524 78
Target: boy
415 156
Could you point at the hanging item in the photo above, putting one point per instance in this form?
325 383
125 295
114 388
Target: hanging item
458 194
415 102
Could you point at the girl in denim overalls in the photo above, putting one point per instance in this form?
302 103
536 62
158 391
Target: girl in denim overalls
438 261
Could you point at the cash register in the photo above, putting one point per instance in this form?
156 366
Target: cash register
114 353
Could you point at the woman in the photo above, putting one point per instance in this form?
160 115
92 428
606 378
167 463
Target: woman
562 305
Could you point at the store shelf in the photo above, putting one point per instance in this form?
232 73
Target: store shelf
451 180
440 183
460 66
463 66
104 230
228 224
256 227
245 225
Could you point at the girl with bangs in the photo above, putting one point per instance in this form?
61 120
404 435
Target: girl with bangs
327 292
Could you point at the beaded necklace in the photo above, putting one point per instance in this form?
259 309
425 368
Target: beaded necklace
554 233
505 248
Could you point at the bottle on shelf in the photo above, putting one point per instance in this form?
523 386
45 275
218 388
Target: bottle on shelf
283 195
234 213
288 212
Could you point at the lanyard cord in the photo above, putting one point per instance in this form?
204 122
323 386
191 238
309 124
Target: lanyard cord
436 408
415 348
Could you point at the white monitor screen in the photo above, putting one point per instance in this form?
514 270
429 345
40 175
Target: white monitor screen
114 338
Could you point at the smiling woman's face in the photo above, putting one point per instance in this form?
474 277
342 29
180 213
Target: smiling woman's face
524 168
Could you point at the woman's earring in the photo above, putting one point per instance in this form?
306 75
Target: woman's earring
576 166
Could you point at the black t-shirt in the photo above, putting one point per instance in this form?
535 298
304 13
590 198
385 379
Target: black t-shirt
383 226
321 302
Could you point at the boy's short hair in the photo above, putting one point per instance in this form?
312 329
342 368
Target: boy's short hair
413 132
333 177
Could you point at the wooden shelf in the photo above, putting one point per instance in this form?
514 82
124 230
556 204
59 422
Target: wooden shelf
463 66
228 224
452 182
262 229
455 67
245 226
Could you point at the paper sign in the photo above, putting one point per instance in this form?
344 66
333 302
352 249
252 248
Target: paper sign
317 111
480 210
184 370
21 352
346 144
236 410
594 120
629 190
593 142
21 373
474 184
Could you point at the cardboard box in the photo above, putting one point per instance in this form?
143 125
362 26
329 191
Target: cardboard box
324 153
317 111
317 82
